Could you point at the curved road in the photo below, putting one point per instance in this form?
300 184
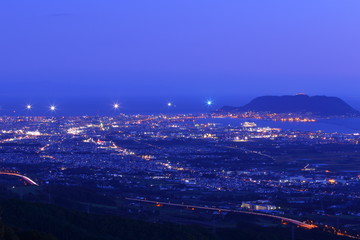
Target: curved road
28 180
296 222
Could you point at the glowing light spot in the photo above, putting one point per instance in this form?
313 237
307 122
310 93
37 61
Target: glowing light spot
169 104
209 102
116 106
332 181
28 107
52 108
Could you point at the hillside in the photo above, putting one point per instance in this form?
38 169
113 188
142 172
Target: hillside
317 105
36 221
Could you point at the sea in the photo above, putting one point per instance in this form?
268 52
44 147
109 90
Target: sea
75 106
335 125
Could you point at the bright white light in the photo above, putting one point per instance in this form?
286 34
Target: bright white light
169 104
116 106
209 102
28 107
52 108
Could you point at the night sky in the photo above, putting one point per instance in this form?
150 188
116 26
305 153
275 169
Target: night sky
229 51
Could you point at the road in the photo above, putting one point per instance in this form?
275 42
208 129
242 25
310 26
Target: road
296 222
27 179
251 151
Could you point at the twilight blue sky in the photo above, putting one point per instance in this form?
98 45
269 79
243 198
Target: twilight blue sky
175 48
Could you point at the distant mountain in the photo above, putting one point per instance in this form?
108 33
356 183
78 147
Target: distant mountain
316 105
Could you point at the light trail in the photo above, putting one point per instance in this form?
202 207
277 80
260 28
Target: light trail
44 147
285 219
147 144
27 179
251 151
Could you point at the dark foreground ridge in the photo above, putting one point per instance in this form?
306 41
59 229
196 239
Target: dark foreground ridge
301 103
36 221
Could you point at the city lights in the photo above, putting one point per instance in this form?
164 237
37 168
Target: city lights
180 120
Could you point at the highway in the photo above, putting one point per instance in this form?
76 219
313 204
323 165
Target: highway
296 222
28 180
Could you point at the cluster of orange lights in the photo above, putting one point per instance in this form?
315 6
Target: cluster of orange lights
296 120
339 232
274 117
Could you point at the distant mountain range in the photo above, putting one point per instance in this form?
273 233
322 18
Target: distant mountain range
301 103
